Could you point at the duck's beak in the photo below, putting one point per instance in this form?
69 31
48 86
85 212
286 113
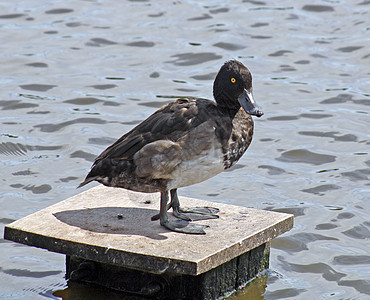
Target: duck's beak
249 105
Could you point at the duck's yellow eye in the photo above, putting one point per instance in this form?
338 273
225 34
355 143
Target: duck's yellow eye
233 80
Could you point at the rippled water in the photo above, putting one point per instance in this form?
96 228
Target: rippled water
76 75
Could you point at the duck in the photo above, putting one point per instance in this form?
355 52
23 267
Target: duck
183 143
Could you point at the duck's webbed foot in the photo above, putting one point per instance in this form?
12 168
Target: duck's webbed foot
184 226
181 225
194 213
189 214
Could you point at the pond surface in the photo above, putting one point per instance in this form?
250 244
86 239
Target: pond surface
76 75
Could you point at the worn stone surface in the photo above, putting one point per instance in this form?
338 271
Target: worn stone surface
113 226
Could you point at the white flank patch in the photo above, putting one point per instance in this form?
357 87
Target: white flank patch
201 167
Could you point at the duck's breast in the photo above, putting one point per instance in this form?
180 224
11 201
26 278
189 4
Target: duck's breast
240 138
197 169
201 156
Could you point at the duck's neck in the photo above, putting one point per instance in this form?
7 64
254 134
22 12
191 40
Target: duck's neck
223 100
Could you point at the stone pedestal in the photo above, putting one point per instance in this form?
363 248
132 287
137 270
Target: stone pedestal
109 240
216 282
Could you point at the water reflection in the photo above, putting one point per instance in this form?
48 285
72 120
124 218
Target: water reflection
305 156
321 189
98 42
37 87
189 59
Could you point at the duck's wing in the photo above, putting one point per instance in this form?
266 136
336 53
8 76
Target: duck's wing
168 123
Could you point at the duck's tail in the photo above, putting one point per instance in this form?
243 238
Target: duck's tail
87 180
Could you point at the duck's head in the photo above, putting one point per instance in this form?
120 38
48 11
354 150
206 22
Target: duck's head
233 88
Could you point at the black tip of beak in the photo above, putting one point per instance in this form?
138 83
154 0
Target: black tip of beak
259 113
256 112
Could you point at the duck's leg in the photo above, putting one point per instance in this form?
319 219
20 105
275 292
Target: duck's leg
177 225
191 214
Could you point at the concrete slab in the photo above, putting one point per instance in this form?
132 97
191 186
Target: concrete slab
113 226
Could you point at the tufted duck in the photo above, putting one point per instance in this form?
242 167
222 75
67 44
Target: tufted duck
185 142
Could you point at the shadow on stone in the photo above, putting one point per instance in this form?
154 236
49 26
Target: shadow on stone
114 220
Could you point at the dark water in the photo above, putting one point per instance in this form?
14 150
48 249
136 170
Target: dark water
75 75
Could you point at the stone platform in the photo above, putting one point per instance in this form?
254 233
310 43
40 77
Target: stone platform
106 231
